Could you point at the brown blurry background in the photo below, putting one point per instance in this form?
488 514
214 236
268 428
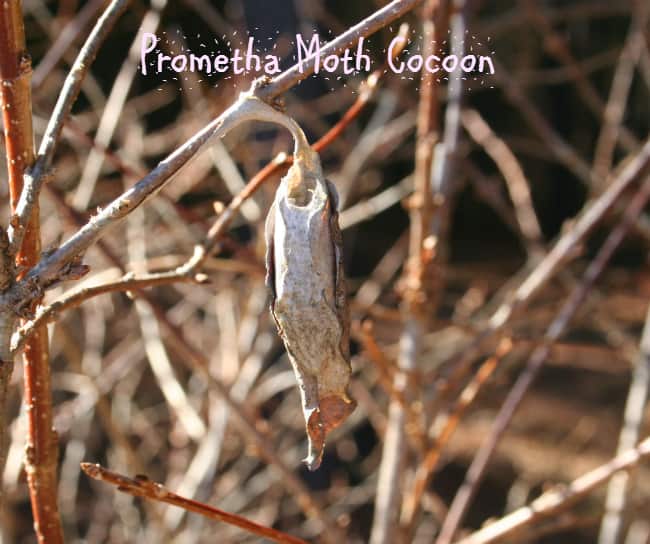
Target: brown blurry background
123 395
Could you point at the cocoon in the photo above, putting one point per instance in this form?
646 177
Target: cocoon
305 276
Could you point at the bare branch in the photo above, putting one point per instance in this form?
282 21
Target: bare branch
556 328
637 398
71 87
143 487
556 500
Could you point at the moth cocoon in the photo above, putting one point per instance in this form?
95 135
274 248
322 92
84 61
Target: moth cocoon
305 275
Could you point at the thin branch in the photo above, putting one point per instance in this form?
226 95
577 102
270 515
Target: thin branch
635 405
386 376
416 303
168 167
512 172
71 87
157 355
114 105
561 251
561 149
41 446
378 20
413 497
129 282
63 41
556 500
143 487
619 92
555 43
478 466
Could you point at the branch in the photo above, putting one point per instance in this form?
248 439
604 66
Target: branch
413 498
477 468
349 38
53 268
545 269
635 406
50 313
612 119
558 499
41 445
512 172
143 487
35 178
416 301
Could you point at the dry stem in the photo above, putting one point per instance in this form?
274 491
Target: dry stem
557 500
141 486
477 469
41 450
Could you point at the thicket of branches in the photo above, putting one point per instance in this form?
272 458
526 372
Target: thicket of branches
495 240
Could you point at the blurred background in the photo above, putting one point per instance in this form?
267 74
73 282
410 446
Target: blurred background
125 393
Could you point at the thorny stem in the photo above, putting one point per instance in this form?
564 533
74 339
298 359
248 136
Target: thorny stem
41 449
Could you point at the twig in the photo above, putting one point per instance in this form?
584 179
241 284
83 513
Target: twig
556 44
128 283
143 487
562 150
155 351
65 38
512 172
633 419
381 18
246 424
558 499
168 167
41 446
367 209
556 328
37 173
415 298
386 377
621 83
114 105
540 275
413 497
